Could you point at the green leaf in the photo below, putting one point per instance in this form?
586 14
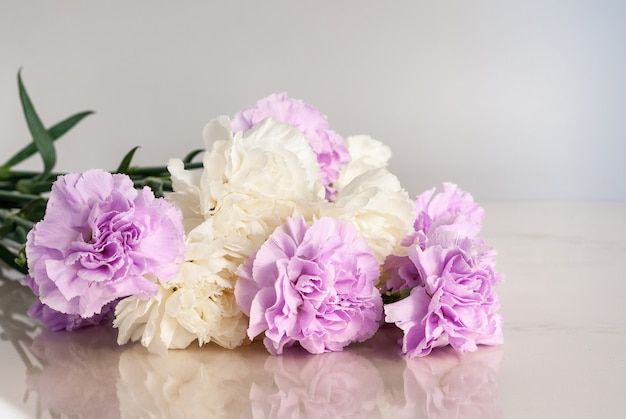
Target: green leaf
21 259
189 157
41 137
55 132
125 164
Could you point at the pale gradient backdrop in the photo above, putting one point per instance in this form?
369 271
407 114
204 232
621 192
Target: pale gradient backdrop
512 100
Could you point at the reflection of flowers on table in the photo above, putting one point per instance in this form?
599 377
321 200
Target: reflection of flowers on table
330 385
85 374
78 372
208 382
15 326
447 384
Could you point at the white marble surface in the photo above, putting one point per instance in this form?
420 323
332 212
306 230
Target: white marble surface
563 356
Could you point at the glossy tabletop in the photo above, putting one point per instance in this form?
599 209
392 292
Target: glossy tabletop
563 356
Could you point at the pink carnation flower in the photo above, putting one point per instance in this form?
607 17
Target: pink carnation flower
456 304
311 285
449 210
100 240
329 146
450 273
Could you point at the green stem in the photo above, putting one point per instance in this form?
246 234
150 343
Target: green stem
16 175
34 187
158 170
7 185
24 174
17 197
160 182
6 215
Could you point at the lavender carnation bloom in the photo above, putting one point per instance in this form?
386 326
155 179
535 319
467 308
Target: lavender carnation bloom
457 304
329 146
451 210
100 240
311 285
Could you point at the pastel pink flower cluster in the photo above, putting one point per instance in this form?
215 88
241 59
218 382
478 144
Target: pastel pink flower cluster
267 253
450 273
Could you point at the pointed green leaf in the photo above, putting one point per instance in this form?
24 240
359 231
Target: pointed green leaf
125 164
21 259
189 157
41 138
55 132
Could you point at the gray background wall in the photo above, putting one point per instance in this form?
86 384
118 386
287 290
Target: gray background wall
512 100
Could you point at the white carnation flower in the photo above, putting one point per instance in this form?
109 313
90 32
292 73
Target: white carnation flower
198 304
252 181
380 208
256 180
366 154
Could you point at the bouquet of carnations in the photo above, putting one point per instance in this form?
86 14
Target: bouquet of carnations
284 231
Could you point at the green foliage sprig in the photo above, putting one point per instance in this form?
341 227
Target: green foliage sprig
23 194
